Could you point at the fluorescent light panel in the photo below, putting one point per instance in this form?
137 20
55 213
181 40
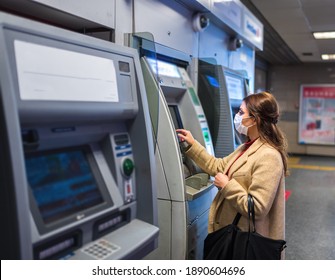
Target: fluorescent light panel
328 56
324 35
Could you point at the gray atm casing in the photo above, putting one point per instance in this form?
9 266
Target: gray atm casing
112 132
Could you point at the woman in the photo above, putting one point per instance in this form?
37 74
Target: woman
257 167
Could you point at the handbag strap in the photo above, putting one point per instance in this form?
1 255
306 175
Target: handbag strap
237 219
251 212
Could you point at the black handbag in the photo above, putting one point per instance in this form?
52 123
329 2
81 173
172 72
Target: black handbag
230 243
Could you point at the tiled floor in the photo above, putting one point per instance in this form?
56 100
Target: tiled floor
310 208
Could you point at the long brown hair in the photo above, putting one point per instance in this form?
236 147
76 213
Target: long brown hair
264 108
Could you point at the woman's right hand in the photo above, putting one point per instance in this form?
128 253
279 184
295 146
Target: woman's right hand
185 135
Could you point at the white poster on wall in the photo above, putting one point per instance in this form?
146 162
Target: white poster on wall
317 114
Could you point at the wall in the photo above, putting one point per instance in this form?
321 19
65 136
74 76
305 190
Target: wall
213 43
169 22
100 11
285 84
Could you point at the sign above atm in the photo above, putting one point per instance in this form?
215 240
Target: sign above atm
253 30
237 17
234 15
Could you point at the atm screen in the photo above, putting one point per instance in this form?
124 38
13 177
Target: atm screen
164 68
235 87
65 183
213 81
174 112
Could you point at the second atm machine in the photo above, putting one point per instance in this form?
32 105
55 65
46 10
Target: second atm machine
221 91
184 191
77 165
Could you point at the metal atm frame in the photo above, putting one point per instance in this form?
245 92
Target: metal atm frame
78 177
184 192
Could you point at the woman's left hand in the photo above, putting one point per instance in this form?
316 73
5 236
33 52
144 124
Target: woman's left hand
220 180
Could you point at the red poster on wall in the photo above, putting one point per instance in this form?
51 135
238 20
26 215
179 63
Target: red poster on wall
317 114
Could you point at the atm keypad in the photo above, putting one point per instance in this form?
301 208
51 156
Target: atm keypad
101 249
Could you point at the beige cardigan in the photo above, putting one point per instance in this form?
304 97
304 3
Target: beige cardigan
259 171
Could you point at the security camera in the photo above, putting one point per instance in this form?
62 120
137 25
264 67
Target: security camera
200 22
235 43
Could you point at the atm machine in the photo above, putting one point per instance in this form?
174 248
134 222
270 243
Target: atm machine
77 166
221 91
184 191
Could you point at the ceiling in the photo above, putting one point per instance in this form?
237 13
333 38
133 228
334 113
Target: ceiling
288 27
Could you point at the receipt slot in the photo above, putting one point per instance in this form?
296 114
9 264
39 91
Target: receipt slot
78 172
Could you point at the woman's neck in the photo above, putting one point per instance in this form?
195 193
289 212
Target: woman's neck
253 134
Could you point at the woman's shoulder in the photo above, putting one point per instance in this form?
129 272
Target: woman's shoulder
267 148
267 151
262 147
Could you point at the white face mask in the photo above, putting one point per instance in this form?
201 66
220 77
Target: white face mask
239 126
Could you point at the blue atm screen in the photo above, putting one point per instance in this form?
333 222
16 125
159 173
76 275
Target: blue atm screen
62 184
213 81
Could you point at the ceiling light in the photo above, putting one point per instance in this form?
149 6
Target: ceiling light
324 35
328 56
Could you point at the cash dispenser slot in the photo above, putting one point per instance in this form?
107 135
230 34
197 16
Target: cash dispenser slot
197 185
